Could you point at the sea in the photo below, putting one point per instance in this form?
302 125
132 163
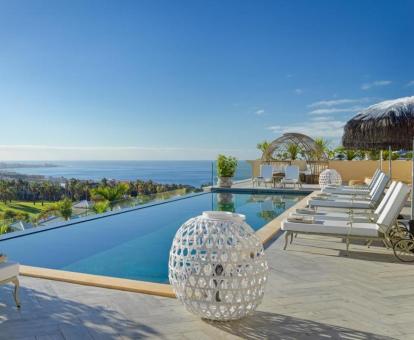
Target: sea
195 173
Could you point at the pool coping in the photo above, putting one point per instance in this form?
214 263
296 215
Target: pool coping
267 234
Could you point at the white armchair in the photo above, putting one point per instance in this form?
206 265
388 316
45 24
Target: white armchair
291 176
266 175
9 272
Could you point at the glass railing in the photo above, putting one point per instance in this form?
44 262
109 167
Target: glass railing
207 171
87 210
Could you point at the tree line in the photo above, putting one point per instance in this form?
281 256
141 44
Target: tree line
77 190
323 149
104 194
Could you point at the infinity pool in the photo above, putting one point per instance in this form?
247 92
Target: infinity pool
135 244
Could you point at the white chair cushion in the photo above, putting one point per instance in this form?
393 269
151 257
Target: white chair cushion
8 270
340 203
333 227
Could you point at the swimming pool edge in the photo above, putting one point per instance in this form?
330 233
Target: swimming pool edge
151 288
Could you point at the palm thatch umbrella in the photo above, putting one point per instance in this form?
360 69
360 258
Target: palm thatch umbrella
388 124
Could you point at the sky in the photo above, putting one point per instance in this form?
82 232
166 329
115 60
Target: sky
188 79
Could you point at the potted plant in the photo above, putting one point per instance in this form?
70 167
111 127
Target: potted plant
226 168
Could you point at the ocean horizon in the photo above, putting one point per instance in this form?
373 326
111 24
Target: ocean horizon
193 173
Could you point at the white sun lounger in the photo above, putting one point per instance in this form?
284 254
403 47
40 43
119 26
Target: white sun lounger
349 230
363 216
358 195
352 190
353 203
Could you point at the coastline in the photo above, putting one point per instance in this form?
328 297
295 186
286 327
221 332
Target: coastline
194 173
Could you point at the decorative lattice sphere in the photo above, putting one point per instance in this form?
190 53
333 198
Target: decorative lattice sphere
217 266
329 177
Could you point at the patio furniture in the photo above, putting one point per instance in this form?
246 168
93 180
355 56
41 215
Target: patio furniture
217 266
385 229
266 175
291 176
353 202
277 178
359 195
351 215
9 272
351 190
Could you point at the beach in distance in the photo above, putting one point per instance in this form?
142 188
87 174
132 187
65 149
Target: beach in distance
193 173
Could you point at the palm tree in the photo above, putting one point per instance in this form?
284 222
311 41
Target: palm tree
293 150
263 146
322 148
110 193
62 208
35 189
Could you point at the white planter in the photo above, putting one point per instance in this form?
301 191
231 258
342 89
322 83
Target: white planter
217 266
225 182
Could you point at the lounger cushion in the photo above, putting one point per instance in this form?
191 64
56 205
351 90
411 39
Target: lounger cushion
333 227
335 216
345 191
360 197
8 270
340 203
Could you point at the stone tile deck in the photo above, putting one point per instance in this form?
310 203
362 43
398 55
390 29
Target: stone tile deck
314 291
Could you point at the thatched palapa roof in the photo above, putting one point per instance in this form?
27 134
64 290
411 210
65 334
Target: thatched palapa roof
389 123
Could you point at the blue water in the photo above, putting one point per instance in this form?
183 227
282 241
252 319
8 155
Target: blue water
134 244
180 172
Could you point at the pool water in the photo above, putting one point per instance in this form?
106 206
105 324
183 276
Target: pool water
135 244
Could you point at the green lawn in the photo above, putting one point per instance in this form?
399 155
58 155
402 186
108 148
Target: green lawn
24 207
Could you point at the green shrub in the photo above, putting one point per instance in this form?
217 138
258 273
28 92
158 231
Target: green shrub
9 214
4 228
101 206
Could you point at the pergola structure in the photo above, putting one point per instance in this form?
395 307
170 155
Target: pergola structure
314 159
305 143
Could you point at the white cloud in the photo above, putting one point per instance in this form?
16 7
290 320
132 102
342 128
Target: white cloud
410 83
321 118
329 128
335 102
336 110
53 152
260 112
376 83
298 91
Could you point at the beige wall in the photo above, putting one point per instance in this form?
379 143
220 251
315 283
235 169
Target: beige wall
359 170
401 169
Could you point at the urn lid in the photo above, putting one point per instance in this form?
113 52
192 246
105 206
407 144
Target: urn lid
223 215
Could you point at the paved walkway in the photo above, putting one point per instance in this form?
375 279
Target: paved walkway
314 291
